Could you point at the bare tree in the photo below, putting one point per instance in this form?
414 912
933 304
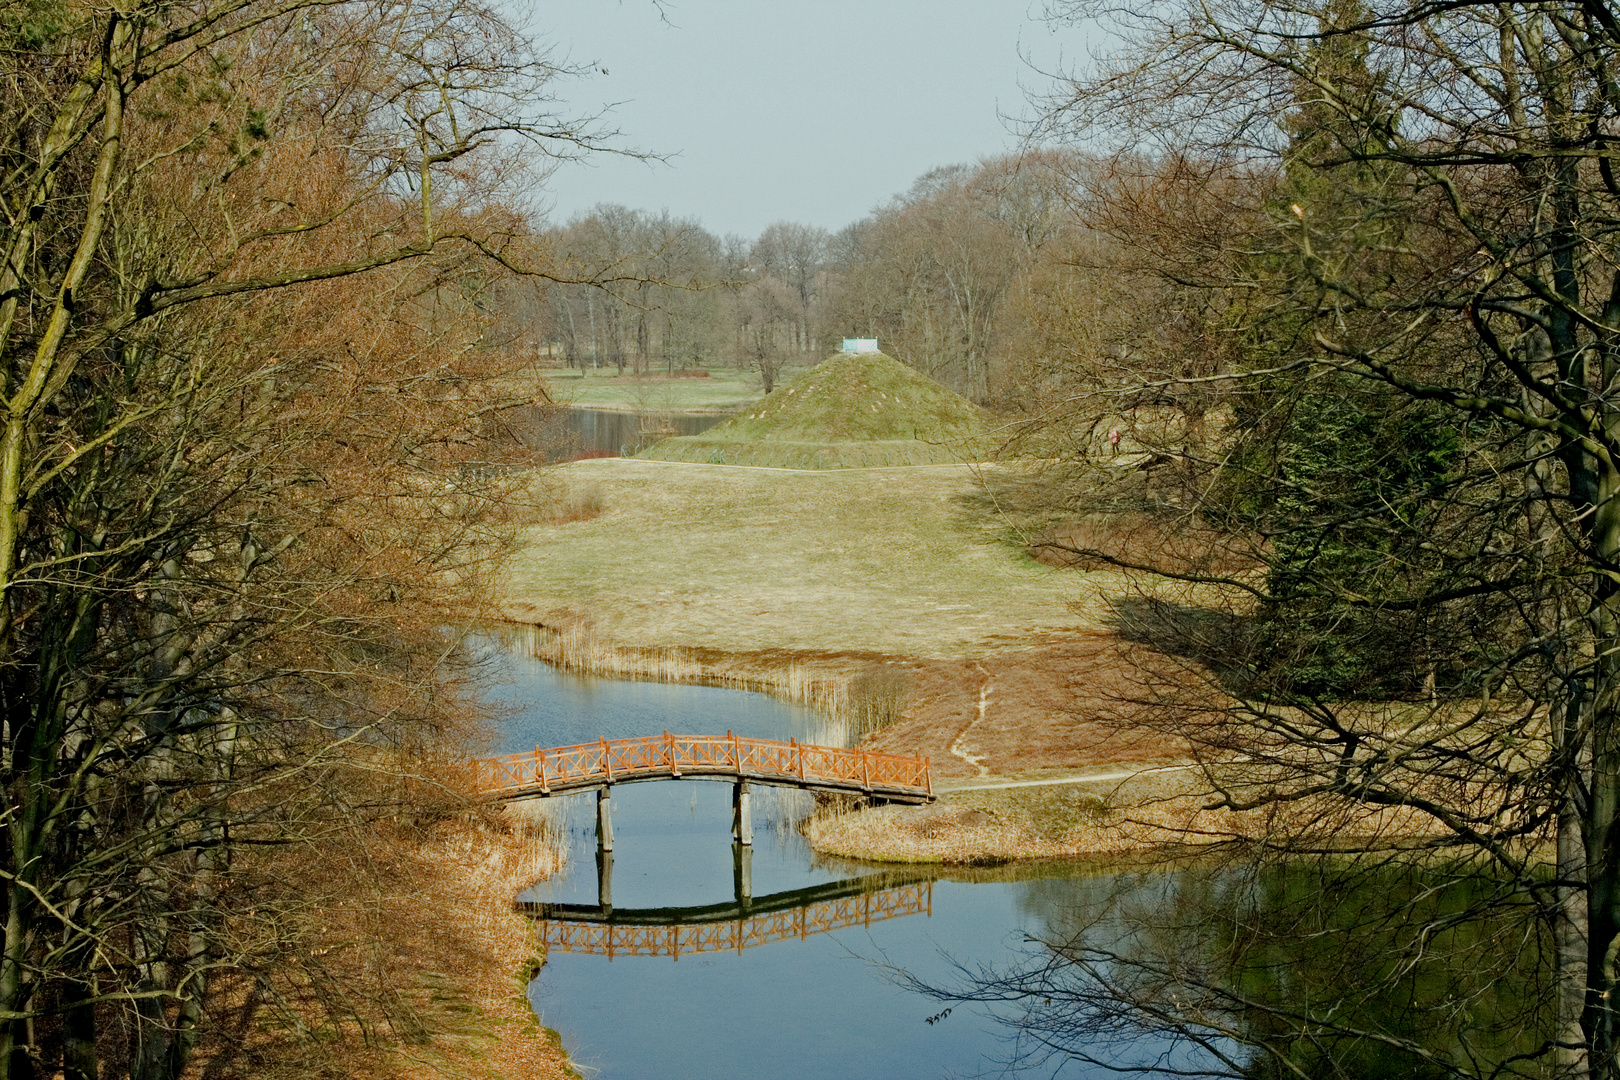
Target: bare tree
767 318
928 273
648 286
795 255
1417 272
244 256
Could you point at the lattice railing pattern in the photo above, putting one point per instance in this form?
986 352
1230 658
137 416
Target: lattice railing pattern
608 940
607 761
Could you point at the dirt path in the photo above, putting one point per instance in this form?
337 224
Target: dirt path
959 747
1064 781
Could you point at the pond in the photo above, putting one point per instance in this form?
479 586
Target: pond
686 956
569 433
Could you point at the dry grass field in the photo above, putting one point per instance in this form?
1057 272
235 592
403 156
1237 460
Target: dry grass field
901 562
805 583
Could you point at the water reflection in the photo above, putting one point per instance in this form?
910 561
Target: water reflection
746 921
569 433
743 904
1334 967
687 955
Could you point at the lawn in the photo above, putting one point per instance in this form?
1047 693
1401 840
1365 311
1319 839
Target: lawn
903 562
725 390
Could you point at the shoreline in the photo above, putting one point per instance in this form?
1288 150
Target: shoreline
801 677
436 963
1104 807
1140 814
1087 792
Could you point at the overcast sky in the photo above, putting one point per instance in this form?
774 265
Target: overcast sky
804 110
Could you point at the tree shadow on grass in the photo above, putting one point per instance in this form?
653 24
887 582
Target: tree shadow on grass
1223 643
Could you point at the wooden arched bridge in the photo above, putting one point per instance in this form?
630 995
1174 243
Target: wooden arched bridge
567 769
598 766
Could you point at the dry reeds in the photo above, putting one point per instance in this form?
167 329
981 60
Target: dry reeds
855 706
578 502
990 827
414 967
876 698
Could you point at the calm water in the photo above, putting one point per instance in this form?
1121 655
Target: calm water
815 1003
567 433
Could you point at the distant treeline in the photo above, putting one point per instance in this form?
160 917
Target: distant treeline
961 277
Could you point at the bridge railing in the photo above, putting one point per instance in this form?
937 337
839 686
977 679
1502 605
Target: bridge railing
563 935
611 760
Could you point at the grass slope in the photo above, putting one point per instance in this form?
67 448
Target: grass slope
904 563
858 410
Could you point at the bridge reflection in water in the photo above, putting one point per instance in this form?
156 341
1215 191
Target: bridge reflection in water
743 923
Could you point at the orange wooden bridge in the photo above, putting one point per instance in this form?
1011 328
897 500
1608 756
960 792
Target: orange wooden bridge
621 934
598 766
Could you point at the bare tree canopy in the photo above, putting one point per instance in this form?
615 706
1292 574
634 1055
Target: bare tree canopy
1384 381
246 256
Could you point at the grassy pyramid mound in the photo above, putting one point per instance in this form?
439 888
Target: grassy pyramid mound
854 410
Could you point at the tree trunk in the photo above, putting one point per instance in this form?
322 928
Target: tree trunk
79 1033
1603 886
1571 1060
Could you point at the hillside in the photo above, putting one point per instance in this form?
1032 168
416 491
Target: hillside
849 411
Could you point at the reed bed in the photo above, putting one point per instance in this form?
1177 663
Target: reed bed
471 870
947 834
990 827
430 962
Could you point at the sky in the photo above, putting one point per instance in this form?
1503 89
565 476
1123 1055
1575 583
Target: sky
802 110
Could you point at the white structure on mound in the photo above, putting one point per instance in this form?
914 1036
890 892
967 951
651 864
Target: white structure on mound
860 344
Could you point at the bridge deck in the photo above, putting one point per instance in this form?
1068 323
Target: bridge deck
567 769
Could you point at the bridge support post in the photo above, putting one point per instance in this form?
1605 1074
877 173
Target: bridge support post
604 881
604 818
742 821
742 875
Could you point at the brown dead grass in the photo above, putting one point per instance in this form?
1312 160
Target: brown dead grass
1056 706
445 940
1144 540
945 833
577 502
977 828
1157 813
577 648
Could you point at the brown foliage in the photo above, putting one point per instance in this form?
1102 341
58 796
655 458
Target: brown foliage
251 473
